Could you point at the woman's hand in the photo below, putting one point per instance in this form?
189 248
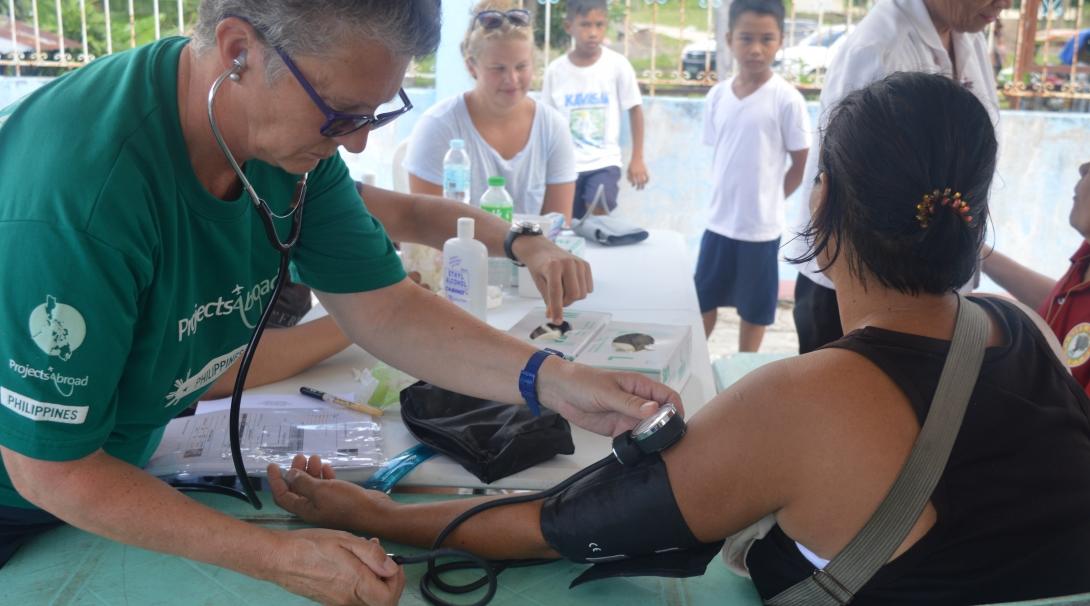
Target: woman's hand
310 490
606 403
333 567
561 277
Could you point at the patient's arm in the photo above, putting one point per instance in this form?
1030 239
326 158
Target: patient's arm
717 496
310 491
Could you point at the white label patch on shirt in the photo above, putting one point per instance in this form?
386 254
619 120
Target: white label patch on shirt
206 376
42 411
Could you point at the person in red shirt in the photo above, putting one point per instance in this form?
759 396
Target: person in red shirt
1064 304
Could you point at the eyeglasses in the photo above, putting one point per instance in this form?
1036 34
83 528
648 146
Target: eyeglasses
493 19
339 124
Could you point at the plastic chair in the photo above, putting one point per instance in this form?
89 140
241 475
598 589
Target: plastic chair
400 175
730 368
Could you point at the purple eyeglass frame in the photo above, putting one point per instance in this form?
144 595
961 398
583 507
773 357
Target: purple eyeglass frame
339 124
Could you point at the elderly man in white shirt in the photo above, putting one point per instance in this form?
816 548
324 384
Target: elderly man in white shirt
932 36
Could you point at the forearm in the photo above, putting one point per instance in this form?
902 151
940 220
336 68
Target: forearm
432 220
430 338
635 119
792 180
558 199
110 498
1029 287
502 533
283 353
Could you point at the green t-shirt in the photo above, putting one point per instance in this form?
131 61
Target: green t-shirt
129 288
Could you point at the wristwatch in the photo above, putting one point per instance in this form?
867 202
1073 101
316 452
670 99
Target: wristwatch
519 228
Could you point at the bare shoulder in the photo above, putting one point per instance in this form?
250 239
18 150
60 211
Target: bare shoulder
815 404
801 383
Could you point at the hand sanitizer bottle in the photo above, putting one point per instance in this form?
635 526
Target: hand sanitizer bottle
465 270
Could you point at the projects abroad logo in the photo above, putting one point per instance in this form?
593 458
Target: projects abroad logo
57 329
65 385
206 376
242 301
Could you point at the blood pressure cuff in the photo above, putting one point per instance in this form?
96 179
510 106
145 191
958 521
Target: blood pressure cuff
625 521
491 440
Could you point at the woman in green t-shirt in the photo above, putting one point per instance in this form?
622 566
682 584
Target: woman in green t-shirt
142 268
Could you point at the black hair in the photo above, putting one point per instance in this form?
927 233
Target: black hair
578 8
772 8
885 147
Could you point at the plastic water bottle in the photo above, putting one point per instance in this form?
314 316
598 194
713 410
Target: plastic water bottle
465 270
497 201
456 172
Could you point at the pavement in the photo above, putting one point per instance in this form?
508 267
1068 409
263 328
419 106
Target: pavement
779 338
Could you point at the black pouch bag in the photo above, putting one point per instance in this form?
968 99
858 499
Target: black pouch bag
491 440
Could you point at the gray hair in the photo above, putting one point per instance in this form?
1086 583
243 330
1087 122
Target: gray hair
407 28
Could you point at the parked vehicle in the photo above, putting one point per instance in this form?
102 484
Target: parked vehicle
695 56
811 56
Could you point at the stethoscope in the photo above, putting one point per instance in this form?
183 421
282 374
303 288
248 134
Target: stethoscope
284 248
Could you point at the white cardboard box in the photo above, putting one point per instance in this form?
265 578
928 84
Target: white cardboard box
659 351
584 326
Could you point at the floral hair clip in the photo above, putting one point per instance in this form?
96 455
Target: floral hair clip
926 207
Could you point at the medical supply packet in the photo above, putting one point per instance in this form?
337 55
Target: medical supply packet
272 429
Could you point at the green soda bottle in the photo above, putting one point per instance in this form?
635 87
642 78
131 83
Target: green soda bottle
497 201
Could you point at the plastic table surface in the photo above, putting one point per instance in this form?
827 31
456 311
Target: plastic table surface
71 567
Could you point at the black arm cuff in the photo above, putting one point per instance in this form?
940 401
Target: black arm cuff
620 513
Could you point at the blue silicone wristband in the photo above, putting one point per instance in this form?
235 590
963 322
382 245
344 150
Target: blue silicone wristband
528 379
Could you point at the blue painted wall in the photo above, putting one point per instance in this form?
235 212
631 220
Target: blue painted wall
1040 155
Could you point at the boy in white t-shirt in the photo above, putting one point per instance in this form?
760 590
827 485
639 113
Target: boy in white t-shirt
755 121
591 86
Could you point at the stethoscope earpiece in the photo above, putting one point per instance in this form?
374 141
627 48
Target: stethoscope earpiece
239 64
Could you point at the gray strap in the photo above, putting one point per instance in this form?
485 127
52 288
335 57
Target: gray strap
875 544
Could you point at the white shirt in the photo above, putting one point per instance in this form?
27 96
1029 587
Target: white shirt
547 158
591 99
751 137
895 36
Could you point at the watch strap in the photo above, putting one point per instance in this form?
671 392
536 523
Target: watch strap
528 379
509 241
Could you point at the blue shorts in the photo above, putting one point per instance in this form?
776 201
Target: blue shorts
740 274
586 187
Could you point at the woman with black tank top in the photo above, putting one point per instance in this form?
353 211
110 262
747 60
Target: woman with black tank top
812 444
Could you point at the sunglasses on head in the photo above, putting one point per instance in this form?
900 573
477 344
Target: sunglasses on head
493 19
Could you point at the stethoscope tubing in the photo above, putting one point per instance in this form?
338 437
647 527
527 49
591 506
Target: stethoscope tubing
283 247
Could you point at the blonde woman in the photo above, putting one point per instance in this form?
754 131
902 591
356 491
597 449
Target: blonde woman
506 132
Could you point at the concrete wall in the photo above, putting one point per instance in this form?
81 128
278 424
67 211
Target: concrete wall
1031 200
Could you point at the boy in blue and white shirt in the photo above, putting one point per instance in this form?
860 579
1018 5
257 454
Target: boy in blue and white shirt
755 121
591 86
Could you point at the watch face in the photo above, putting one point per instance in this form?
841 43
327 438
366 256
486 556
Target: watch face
526 227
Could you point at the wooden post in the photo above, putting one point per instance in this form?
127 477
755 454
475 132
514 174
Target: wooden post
1026 46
